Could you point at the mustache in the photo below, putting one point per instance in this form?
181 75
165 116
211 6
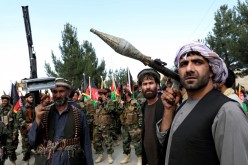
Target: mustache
189 74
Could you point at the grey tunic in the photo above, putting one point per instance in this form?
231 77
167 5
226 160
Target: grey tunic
229 130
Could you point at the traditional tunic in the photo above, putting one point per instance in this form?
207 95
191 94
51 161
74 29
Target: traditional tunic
229 131
59 158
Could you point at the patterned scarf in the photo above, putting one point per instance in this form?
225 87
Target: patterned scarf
217 64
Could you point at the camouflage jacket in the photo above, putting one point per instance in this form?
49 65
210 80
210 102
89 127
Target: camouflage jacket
130 113
25 115
104 112
8 117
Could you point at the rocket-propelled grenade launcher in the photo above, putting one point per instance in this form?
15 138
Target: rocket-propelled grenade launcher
125 48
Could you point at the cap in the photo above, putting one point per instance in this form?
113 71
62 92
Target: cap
5 97
27 95
148 71
63 82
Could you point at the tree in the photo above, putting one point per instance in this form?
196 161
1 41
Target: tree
75 60
242 18
119 75
224 36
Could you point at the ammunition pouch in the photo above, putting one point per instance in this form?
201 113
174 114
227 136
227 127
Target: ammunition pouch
132 118
105 119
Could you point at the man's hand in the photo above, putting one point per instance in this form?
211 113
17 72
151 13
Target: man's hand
40 111
170 98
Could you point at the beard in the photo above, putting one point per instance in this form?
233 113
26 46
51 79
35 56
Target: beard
150 93
192 86
60 101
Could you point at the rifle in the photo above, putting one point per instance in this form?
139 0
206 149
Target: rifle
125 48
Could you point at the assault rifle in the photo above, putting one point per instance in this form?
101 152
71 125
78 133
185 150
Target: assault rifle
125 48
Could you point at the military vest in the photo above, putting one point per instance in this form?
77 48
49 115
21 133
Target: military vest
5 115
129 115
101 116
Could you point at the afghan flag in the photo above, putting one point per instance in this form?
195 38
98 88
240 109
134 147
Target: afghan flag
130 82
15 97
113 89
91 92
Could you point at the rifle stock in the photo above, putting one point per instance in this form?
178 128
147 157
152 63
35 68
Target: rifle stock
125 48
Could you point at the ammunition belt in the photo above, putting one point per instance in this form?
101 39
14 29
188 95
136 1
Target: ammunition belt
61 145
76 115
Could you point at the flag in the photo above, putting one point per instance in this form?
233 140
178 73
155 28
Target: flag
15 99
130 82
84 85
102 83
113 89
240 93
92 91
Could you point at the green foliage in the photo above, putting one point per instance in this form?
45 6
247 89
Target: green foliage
119 75
229 36
75 59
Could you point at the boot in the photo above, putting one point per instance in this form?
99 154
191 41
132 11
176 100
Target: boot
139 160
26 162
126 159
99 158
110 159
13 162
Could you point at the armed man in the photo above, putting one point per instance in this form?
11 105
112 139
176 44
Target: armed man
131 120
25 117
9 133
103 121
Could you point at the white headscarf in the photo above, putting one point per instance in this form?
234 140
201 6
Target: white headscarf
217 64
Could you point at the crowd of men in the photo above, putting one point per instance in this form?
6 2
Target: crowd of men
202 121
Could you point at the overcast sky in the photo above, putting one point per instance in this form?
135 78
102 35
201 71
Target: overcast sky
156 28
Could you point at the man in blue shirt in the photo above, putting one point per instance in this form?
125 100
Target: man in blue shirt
60 133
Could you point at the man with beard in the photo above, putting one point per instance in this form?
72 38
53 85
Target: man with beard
131 120
9 133
207 128
152 109
25 117
60 132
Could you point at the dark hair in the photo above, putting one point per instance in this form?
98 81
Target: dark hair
230 81
148 73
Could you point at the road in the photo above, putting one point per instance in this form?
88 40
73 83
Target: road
117 156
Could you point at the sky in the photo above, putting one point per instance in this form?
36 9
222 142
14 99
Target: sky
156 28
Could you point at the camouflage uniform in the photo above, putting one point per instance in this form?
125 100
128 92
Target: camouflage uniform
25 116
88 109
140 98
104 126
131 119
116 123
8 117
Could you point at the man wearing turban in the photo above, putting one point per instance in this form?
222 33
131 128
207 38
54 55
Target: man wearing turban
207 128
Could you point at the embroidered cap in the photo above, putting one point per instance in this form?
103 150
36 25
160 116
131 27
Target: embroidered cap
63 82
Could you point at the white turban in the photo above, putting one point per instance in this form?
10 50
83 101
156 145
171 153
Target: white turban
217 64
